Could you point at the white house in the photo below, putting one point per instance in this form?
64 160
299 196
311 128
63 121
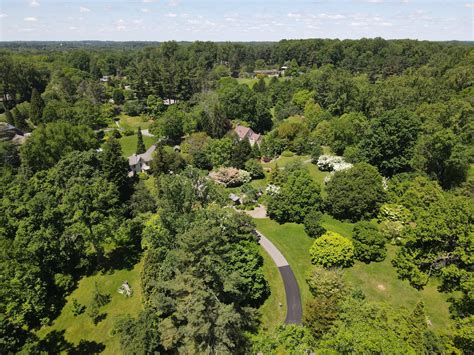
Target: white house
141 162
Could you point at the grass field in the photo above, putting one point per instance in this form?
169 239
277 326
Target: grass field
251 81
129 144
378 281
81 327
132 122
272 314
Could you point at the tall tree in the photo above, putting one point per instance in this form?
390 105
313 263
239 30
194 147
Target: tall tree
443 156
297 196
115 166
355 193
20 119
140 144
390 141
36 107
49 143
9 116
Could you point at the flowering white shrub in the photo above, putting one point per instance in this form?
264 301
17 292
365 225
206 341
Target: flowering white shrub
230 177
332 163
272 190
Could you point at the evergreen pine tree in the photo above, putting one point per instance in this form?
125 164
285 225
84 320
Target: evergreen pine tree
140 144
9 116
20 120
36 107
417 328
115 166
259 86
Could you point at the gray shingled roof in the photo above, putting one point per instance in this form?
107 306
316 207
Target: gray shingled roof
146 157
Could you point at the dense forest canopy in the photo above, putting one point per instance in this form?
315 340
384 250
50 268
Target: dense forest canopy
394 119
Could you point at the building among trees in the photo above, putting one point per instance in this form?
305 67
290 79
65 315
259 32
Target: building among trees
141 162
247 132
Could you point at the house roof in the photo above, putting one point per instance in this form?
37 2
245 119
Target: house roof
242 131
234 197
255 137
146 157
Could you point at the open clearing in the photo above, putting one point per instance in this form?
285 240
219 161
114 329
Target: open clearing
129 144
378 281
81 327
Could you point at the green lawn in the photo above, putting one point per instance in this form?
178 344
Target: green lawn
132 122
292 241
272 314
129 144
81 327
378 281
251 81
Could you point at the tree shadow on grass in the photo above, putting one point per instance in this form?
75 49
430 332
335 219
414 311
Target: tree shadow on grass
55 343
121 258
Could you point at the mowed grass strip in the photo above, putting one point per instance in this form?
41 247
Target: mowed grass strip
273 314
81 327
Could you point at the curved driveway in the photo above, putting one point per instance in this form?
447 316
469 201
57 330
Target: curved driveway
293 298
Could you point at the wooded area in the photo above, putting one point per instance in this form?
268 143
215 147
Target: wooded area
385 132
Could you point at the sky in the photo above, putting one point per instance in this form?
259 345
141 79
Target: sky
234 20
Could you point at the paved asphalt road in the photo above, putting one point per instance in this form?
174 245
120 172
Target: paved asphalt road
293 298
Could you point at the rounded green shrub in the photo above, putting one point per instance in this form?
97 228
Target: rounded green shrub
332 250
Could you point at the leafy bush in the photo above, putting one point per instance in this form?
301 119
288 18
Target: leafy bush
312 224
355 193
101 299
287 154
255 169
316 152
297 196
133 107
77 308
369 243
325 283
332 250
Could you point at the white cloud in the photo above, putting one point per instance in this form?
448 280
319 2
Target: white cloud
149 1
30 19
84 9
2 15
145 10
469 5
294 15
331 16
173 3
72 28
138 22
171 14
358 24
120 25
34 3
